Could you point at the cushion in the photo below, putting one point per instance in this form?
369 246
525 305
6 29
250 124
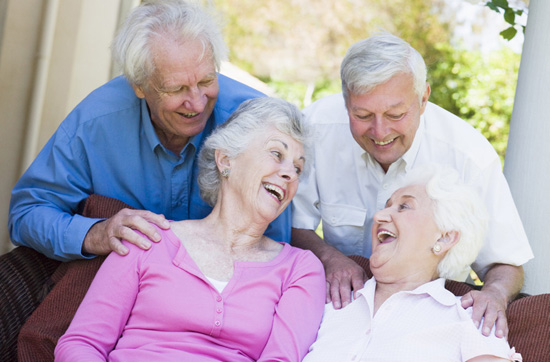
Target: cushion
40 333
23 276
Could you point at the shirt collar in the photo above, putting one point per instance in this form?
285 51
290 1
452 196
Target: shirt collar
435 289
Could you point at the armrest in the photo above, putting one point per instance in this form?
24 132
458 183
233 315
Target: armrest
51 319
24 273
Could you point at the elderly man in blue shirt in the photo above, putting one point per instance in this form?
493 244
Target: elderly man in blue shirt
135 138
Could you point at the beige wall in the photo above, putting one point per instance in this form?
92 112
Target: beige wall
77 62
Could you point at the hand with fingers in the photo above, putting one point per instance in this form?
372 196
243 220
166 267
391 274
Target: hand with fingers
344 276
107 235
490 306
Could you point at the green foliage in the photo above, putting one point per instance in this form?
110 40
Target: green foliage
296 47
509 16
479 88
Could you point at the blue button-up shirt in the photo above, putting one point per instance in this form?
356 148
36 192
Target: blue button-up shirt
107 145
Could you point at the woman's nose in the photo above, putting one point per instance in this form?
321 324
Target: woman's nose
288 171
383 215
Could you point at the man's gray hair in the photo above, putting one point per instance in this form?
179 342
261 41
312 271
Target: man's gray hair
375 60
456 207
251 118
179 20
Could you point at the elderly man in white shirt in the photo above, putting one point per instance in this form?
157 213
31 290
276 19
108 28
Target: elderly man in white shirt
379 130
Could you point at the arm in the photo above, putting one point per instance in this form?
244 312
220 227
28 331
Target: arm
343 275
505 249
298 313
46 198
101 317
502 284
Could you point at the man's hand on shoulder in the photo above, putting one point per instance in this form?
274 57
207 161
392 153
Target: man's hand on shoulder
491 306
344 276
502 283
107 235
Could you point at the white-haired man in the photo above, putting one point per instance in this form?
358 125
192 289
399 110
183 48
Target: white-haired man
380 129
135 139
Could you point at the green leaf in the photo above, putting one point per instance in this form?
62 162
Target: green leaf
502 4
510 16
492 6
509 33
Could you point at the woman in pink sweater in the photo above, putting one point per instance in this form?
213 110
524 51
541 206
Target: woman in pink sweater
215 289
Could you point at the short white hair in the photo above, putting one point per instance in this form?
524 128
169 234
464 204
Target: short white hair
456 207
375 60
179 20
233 137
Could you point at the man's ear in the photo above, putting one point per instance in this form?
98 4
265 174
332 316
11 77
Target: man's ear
222 160
449 240
425 98
138 91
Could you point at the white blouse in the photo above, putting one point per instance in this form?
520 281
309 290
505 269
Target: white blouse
426 324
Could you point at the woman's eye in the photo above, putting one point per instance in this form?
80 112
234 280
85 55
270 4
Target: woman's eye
298 170
402 207
277 154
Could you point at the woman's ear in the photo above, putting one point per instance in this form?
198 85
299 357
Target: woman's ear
222 160
448 240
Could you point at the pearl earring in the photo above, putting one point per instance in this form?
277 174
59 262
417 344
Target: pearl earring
436 248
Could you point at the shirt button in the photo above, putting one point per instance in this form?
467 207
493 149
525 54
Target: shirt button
218 298
217 323
333 219
385 186
219 310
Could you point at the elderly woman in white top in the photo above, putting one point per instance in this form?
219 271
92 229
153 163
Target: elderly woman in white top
431 229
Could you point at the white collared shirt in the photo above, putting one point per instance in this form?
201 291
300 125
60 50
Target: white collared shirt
426 324
346 186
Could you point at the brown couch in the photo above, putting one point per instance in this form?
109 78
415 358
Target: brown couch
32 317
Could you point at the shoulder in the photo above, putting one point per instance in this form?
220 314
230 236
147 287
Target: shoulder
454 137
303 259
167 246
327 110
114 102
231 94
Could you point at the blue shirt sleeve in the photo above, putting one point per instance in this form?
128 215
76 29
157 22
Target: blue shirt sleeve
46 198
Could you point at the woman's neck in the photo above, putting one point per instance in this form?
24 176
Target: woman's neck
233 228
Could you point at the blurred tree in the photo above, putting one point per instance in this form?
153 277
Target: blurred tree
304 41
478 87
296 46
